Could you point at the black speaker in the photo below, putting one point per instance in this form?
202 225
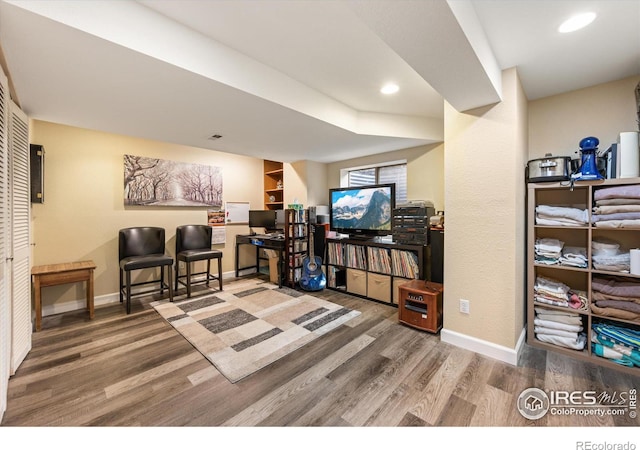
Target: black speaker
318 240
437 256
37 173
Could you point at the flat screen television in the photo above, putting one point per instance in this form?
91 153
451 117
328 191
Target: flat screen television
262 219
363 211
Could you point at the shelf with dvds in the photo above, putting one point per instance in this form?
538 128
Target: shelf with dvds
582 299
296 243
373 269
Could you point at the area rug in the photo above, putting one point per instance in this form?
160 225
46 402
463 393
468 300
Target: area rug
251 323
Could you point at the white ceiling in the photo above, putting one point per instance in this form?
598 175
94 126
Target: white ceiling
299 80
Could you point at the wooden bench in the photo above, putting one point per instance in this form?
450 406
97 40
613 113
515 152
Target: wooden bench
63 273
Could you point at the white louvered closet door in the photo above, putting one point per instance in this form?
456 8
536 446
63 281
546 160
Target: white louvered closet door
5 309
20 236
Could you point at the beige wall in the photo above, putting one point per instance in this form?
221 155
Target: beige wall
558 123
425 171
306 183
84 209
485 229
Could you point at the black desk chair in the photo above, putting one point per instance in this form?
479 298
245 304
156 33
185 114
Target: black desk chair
193 243
143 248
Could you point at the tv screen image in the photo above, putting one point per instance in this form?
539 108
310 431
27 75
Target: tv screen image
365 210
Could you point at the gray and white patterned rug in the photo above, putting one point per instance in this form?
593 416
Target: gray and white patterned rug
251 323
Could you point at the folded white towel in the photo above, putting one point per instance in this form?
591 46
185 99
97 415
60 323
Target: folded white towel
549 285
576 344
557 325
574 252
549 301
557 222
574 256
553 331
580 215
549 245
569 320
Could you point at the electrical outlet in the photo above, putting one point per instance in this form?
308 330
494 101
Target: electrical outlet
464 306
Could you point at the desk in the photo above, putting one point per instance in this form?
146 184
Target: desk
261 241
63 273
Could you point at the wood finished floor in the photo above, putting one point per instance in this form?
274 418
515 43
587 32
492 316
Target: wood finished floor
136 370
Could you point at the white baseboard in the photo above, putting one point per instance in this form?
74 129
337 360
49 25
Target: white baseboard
486 348
100 300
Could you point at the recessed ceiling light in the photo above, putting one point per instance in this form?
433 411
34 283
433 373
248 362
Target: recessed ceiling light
389 88
576 22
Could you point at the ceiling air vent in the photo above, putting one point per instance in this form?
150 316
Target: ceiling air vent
214 137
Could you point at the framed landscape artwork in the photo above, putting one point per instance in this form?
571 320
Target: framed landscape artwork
158 182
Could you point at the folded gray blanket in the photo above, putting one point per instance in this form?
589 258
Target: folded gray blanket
615 287
627 306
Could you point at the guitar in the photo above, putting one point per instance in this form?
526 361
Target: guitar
313 278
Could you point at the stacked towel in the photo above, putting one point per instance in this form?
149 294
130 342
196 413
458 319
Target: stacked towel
574 257
553 251
556 293
609 256
548 251
561 328
561 216
551 292
615 297
617 207
619 344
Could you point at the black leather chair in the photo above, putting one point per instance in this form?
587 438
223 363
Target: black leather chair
193 243
143 248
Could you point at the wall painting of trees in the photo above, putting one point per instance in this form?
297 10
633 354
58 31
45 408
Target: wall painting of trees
158 182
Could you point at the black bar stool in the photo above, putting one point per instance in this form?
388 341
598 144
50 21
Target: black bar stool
193 243
142 248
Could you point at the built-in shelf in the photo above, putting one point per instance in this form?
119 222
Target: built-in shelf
273 185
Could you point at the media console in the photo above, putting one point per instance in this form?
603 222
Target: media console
373 269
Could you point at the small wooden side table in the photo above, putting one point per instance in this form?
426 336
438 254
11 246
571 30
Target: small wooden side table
420 305
63 273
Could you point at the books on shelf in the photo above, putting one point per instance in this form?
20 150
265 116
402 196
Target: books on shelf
297 215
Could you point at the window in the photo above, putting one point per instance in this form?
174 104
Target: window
396 173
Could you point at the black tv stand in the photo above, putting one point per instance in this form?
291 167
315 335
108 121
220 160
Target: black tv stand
360 237
373 269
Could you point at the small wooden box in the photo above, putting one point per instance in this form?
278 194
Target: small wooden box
420 305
